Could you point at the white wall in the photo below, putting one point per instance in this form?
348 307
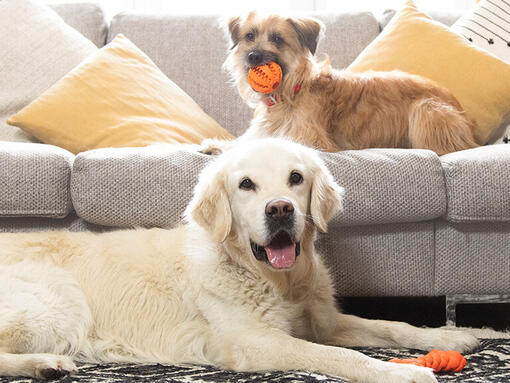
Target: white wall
237 6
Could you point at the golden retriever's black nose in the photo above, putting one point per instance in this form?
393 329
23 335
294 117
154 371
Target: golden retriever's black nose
255 58
279 208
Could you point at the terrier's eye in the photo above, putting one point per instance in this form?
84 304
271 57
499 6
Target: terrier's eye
277 39
247 184
295 178
250 36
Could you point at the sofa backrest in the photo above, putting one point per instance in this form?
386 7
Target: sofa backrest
89 19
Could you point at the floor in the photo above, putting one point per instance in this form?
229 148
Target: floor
428 312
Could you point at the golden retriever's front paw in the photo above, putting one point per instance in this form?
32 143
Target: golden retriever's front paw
405 374
460 341
51 367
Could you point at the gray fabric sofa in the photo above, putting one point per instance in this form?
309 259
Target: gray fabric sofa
414 224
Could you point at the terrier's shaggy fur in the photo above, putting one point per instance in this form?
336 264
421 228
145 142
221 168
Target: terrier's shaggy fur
337 110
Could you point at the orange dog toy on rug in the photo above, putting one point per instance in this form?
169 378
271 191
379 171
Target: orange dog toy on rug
265 78
438 360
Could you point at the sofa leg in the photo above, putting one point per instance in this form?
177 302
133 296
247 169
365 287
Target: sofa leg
453 300
451 310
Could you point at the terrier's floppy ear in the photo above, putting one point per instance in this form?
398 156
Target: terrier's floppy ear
210 206
308 31
232 26
326 198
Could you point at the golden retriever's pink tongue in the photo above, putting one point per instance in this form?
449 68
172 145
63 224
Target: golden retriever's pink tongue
281 257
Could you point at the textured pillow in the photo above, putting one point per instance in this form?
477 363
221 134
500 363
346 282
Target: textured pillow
37 48
116 98
488 27
414 43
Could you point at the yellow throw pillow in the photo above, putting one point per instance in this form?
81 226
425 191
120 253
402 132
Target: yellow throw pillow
412 42
117 97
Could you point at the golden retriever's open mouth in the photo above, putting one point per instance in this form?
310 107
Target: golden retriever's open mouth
280 253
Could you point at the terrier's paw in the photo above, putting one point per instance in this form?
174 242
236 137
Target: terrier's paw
211 147
52 367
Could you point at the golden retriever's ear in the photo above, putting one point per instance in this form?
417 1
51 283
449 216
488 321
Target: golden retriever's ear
232 26
308 31
210 206
326 198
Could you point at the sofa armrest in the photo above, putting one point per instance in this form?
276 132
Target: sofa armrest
478 184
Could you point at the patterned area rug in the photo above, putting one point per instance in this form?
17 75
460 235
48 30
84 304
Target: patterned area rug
491 363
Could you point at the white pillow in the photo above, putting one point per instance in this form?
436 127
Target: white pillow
37 48
488 27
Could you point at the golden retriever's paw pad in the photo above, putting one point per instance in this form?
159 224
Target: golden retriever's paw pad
405 374
52 367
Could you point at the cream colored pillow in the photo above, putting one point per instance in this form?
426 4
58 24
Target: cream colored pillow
412 42
37 48
116 98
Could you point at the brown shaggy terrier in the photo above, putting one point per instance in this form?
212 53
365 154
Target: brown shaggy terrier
337 110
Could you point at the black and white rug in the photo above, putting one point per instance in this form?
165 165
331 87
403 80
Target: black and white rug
491 363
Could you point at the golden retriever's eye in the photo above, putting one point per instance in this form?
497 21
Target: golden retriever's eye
250 36
247 184
295 178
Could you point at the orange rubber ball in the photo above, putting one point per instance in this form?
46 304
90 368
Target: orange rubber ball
265 78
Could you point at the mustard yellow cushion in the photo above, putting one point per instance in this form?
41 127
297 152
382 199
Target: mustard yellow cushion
412 42
117 97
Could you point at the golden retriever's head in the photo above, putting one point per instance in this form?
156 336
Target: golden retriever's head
257 40
265 197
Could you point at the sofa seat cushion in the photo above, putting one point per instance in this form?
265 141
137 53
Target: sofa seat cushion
34 180
127 187
151 186
388 185
478 184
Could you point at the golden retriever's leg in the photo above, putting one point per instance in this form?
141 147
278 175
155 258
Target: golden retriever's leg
439 127
41 366
271 349
354 331
43 314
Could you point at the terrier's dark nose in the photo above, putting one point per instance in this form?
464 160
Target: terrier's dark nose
255 58
279 208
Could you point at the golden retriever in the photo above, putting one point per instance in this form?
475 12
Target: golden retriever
239 286
336 110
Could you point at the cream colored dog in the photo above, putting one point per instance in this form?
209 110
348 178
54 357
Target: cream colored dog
239 286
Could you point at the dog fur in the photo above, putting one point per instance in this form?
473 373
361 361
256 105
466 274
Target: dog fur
338 110
197 293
